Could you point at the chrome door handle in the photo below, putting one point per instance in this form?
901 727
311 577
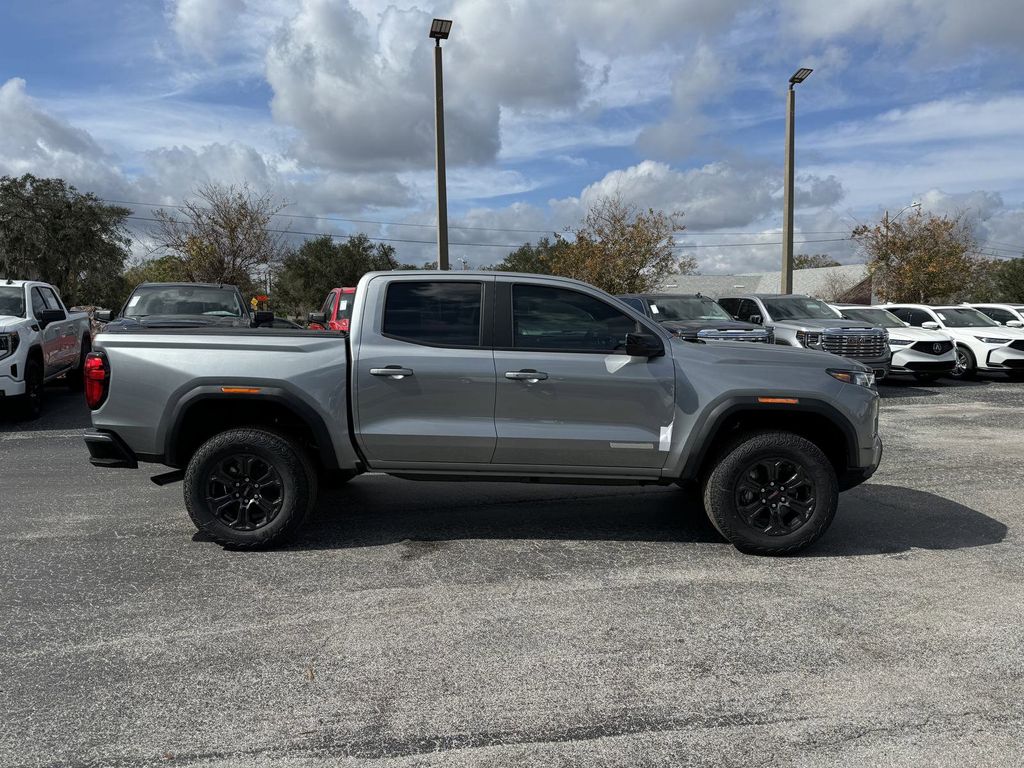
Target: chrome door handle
395 372
527 374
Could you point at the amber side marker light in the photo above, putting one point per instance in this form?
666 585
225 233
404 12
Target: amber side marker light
240 390
778 400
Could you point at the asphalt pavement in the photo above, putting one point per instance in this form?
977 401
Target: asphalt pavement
423 624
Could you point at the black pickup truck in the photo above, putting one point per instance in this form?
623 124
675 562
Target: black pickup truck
184 305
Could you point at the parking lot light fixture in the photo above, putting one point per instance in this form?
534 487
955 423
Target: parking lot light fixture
439 30
787 202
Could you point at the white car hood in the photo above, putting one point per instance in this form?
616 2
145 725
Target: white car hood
10 323
995 332
917 334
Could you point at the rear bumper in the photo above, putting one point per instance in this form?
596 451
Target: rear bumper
108 450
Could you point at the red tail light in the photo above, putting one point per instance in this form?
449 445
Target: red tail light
97 379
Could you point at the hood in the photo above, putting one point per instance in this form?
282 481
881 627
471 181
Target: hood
756 355
821 325
917 334
690 327
178 321
10 322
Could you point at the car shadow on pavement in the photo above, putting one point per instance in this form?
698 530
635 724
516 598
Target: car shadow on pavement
362 515
62 410
886 519
872 519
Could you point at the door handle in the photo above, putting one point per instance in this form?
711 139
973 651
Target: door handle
395 372
527 374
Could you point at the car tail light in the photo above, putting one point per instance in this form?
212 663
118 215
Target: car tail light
97 379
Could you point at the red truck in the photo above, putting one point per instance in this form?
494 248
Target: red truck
335 313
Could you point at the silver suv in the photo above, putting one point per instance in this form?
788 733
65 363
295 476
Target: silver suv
802 321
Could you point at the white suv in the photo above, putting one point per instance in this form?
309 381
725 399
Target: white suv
924 354
982 344
1011 315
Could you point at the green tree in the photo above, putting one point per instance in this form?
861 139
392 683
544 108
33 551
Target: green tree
813 261
922 258
539 259
306 275
165 269
50 231
622 249
1009 280
222 235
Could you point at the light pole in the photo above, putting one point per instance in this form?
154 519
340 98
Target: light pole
439 30
914 204
787 195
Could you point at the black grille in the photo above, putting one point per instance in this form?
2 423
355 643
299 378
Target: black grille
1019 344
933 367
933 347
855 344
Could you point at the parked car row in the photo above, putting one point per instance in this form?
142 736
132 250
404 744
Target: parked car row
926 342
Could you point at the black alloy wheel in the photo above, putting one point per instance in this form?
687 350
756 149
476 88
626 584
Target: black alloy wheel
775 496
244 492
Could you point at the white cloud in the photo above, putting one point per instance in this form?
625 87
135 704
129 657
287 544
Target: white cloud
204 25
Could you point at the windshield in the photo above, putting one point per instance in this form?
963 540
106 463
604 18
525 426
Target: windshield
12 300
964 318
183 300
883 318
686 308
800 308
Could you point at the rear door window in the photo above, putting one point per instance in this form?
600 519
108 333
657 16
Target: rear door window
434 312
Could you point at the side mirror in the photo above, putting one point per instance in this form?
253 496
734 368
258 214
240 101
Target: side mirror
931 325
756 319
262 318
48 316
317 318
644 345
103 315
1014 324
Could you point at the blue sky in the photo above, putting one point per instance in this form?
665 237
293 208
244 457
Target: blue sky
674 104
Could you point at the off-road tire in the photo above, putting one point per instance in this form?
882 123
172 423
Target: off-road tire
29 406
298 481
783 449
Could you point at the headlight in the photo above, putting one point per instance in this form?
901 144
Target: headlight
809 339
8 344
900 342
861 378
993 340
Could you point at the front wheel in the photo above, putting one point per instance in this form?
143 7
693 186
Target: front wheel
966 367
30 404
772 493
247 488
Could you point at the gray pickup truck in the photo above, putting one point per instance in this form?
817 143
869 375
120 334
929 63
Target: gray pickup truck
483 376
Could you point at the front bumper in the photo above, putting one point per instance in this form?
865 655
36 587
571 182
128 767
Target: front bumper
854 476
1006 357
912 361
108 450
10 387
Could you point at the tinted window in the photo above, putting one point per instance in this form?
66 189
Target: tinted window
730 305
38 305
687 308
558 318
964 318
328 307
747 310
874 316
439 312
634 303
1002 315
52 302
799 308
183 300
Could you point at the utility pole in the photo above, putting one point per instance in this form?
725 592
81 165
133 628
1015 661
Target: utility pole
787 194
439 30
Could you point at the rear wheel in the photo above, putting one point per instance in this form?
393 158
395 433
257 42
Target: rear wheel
247 488
966 367
772 493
